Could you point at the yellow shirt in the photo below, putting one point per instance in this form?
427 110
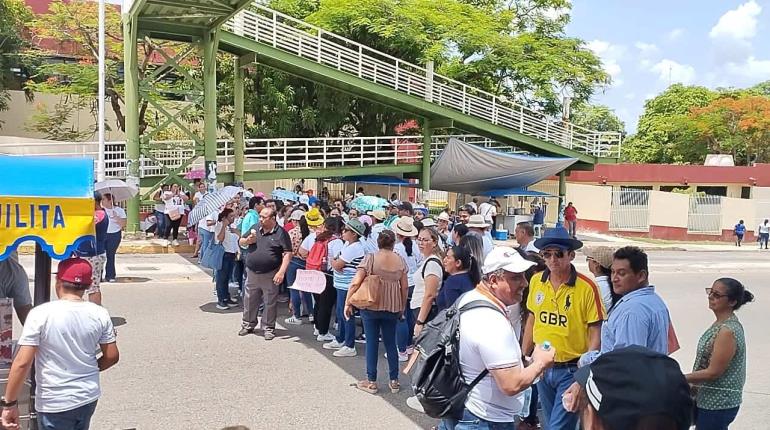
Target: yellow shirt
562 316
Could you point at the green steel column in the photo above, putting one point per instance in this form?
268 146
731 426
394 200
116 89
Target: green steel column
427 140
210 42
238 121
131 68
562 197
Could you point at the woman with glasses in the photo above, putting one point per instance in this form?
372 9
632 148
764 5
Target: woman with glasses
427 279
719 372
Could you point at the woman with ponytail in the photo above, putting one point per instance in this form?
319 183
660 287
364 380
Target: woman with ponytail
719 372
463 271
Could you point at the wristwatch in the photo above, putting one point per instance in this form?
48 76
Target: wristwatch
418 322
5 404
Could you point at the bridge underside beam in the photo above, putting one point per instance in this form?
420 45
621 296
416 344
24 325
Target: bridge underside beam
333 172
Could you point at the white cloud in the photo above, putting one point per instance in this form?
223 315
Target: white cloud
753 70
646 49
630 96
610 55
739 23
670 71
675 34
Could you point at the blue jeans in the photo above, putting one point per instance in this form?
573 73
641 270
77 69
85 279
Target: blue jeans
206 237
472 422
113 242
160 227
550 389
405 328
380 323
719 419
223 277
346 329
76 419
298 297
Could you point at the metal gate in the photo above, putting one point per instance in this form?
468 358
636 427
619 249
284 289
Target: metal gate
630 210
705 215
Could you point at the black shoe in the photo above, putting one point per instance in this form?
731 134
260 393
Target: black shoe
232 302
244 331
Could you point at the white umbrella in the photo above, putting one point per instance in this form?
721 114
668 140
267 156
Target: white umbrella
120 190
211 203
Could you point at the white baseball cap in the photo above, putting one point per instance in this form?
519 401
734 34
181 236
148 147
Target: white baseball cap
506 258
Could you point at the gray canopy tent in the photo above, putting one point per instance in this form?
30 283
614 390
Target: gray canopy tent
470 169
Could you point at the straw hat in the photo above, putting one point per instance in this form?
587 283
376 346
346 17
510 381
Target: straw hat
600 254
428 222
314 218
477 221
379 214
405 227
297 215
443 216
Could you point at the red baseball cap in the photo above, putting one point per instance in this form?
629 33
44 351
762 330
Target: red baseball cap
75 271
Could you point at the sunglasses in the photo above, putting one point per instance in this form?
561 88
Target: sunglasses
711 293
552 254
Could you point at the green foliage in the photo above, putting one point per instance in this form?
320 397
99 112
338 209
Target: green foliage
664 133
56 123
13 15
598 118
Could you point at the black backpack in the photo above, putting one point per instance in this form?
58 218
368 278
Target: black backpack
437 378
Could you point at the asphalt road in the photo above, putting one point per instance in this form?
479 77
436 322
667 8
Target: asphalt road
184 367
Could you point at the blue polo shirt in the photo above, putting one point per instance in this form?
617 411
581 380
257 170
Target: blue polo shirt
638 318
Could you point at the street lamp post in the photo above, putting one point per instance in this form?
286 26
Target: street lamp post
100 170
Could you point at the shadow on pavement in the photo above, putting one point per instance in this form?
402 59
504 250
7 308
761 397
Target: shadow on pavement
118 321
355 366
212 308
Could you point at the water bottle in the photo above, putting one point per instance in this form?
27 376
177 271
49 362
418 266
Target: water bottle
546 346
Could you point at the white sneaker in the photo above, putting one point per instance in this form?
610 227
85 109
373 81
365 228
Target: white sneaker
293 320
415 404
310 318
333 345
175 243
324 337
403 357
345 352
316 332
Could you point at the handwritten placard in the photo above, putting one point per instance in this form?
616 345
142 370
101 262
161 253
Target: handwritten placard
311 281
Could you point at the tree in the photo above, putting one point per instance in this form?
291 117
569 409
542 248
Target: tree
598 118
13 15
664 133
73 25
738 126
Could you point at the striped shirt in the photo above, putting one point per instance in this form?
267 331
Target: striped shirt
352 254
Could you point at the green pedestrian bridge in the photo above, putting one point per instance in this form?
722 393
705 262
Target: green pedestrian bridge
252 33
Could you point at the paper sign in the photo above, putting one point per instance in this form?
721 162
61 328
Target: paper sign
311 281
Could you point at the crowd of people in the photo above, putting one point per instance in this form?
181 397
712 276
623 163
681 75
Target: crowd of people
595 325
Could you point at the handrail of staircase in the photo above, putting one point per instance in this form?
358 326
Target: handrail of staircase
498 110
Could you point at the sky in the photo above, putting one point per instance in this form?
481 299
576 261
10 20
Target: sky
647 45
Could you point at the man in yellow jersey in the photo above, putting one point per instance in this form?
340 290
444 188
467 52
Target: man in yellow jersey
567 311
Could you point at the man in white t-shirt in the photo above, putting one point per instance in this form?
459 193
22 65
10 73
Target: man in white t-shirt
117 217
62 338
488 342
488 211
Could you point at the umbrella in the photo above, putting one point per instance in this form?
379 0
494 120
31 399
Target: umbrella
211 203
368 203
195 174
284 195
120 190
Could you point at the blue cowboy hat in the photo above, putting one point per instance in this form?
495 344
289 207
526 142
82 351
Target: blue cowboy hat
558 237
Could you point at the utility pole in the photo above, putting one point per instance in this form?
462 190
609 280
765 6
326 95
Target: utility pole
100 170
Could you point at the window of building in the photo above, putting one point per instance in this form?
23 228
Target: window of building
713 191
745 192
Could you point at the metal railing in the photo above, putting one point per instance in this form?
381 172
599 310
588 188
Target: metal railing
260 154
630 210
704 215
316 44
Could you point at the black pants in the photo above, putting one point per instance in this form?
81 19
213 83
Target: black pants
322 313
172 225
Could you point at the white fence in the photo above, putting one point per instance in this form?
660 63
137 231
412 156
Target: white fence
704 215
313 43
630 210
